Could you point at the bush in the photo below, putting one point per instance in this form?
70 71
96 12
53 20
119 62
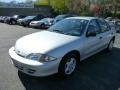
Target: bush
108 14
116 15
86 14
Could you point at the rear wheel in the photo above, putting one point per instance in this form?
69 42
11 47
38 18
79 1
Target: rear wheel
110 45
24 25
68 65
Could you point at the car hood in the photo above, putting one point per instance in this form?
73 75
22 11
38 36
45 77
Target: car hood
42 42
20 20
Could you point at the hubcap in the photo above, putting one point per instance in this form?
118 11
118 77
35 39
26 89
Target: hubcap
70 66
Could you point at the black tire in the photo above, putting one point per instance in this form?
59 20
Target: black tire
63 63
110 45
13 22
118 31
24 25
8 22
42 26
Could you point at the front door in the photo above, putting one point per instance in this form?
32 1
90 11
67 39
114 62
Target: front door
92 43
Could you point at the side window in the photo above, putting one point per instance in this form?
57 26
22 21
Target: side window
93 27
118 23
103 25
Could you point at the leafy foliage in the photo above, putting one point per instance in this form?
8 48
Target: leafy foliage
41 2
98 7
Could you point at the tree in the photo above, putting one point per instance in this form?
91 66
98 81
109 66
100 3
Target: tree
116 6
98 7
41 2
76 6
58 5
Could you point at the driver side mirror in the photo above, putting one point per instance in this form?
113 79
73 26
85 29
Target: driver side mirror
91 32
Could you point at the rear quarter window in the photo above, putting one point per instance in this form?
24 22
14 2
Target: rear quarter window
103 25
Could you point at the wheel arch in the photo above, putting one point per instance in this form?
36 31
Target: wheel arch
61 67
76 52
113 38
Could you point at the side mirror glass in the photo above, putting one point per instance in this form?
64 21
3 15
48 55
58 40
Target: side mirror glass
91 31
91 34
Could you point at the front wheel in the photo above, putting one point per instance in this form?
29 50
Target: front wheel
42 26
13 22
68 65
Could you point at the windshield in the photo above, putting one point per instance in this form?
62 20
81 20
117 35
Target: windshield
73 27
15 16
44 20
58 18
118 23
109 18
29 17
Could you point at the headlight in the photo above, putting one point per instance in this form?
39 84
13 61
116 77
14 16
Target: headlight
40 57
46 58
34 56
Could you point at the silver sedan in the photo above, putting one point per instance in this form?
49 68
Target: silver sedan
59 49
43 24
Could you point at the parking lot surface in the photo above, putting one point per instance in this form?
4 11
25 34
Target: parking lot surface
99 72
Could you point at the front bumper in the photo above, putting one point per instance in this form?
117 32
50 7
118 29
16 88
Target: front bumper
18 22
24 23
34 25
33 68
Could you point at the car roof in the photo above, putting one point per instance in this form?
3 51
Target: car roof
86 18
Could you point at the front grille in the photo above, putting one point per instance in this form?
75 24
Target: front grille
19 67
31 71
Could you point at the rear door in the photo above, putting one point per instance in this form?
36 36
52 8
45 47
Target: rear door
106 32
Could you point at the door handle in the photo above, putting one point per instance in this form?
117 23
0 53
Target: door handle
112 33
100 37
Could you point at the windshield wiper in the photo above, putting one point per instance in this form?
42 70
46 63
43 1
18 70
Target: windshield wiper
72 34
58 31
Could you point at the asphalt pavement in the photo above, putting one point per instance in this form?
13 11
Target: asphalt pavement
99 72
